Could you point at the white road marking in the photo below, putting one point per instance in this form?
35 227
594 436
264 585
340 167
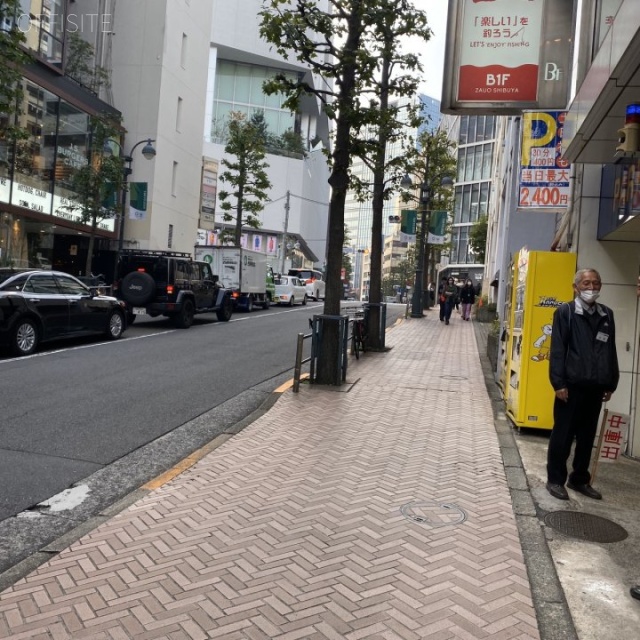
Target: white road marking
67 499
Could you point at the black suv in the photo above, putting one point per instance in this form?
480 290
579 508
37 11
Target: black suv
171 284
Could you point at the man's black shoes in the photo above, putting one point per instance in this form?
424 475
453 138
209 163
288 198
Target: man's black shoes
557 491
585 490
635 592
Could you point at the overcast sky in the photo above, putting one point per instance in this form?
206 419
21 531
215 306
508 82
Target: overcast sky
432 53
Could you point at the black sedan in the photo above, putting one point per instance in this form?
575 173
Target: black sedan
38 306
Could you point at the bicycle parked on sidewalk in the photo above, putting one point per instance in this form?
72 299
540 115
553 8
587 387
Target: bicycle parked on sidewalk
358 331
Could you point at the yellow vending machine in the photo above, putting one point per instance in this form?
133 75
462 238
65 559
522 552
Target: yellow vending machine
505 331
542 280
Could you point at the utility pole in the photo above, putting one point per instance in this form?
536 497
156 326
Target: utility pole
286 228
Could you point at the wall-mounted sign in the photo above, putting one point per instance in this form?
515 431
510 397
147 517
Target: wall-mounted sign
437 227
137 200
503 56
208 192
544 173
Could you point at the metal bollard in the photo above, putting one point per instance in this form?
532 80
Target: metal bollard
298 366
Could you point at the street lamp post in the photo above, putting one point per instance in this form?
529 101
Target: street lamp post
149 152
417 300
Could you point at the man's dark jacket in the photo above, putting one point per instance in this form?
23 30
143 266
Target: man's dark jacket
578 357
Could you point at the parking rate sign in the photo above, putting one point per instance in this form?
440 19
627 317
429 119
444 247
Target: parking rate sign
544 173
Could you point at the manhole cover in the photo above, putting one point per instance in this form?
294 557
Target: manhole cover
433 514
585 526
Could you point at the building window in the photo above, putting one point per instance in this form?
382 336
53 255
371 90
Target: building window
606 11
183 51
471 202
33 157
464 128
179 114
174 179
462 164
238 88
42 22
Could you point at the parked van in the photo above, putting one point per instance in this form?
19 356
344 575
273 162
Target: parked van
313 280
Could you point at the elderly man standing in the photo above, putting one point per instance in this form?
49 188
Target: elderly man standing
584 373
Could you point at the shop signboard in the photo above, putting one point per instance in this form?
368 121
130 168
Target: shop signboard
544 173
503 56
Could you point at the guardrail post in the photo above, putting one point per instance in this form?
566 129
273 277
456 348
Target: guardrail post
298 366
320 323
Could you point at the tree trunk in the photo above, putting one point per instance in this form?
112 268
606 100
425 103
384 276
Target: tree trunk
92 235
238 230
331 348
376 340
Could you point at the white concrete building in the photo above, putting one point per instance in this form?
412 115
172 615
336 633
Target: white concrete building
178 67
158 55
238 63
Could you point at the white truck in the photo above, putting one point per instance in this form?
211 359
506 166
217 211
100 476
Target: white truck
246 273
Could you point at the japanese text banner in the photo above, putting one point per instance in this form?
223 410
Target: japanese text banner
500 50
544 173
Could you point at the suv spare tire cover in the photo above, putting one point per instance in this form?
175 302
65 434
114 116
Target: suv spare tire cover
137 288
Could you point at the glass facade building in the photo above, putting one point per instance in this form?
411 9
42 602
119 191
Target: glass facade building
475 156
238 88
39 227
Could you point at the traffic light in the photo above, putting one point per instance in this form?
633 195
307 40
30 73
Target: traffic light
394 219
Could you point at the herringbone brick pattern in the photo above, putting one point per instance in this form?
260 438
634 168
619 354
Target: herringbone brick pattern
293 528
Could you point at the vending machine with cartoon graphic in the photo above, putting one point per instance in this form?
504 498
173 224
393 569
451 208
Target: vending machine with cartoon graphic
542 280
503 353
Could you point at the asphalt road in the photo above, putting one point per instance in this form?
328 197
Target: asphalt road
96 420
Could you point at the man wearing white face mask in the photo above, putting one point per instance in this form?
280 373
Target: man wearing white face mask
583 370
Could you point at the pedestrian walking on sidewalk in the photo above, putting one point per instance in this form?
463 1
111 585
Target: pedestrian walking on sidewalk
450 293
441 299
583 369
467 298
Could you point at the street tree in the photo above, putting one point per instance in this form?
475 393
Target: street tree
246 175
393 112
435 161
96 184
13 58
81 64
333 39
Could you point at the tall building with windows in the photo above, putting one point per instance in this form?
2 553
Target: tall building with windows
294 221
476 140
173 70
37 171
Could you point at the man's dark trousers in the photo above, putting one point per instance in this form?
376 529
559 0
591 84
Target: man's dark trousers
578 417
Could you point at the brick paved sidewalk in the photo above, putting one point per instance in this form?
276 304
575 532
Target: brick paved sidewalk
377 511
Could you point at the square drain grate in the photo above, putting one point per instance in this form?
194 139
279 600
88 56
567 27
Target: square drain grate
585 526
